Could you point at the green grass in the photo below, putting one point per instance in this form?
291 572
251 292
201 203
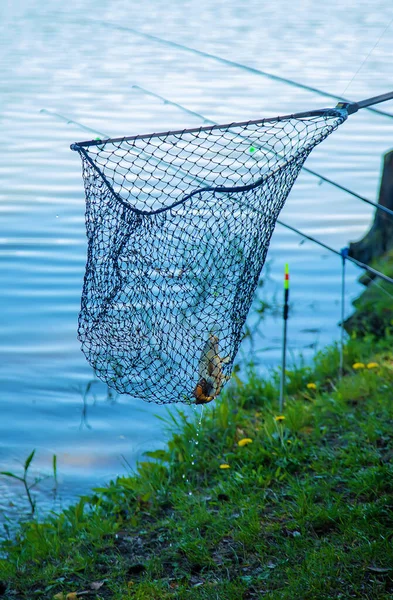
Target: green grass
305 511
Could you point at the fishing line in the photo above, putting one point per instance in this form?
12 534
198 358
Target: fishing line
378 285
368 56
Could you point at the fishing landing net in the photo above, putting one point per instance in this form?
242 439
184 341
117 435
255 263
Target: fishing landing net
178 227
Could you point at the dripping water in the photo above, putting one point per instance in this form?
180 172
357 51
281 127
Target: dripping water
194 444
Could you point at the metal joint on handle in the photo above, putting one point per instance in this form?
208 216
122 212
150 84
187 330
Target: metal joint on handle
352 107
349 107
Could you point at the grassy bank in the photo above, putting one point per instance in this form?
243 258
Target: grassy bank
277 508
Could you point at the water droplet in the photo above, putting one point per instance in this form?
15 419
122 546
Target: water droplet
193 462
190 493
196 443
183 476
57 216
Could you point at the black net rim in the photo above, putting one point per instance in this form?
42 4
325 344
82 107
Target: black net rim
328 112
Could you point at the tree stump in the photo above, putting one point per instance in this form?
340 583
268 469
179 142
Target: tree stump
379 239
372 313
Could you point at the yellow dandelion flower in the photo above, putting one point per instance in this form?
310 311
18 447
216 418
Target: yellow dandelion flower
311 386
224 466
244 442
279 418
372 365
358 365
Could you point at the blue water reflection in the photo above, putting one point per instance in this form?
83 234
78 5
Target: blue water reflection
73 63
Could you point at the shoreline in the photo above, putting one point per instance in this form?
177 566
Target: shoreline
245 504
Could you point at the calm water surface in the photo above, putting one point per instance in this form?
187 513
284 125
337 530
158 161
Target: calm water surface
74 64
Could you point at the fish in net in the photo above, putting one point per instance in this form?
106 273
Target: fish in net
178 227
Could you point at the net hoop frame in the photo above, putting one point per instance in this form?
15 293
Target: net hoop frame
340 112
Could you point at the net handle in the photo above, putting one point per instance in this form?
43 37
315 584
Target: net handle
352 107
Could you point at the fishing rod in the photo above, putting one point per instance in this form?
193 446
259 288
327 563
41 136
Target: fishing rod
306 169
350 258
235 64
102 135
69 121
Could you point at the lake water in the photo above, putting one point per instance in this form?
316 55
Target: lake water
74 64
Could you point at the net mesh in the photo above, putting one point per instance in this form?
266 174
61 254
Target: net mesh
178 227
